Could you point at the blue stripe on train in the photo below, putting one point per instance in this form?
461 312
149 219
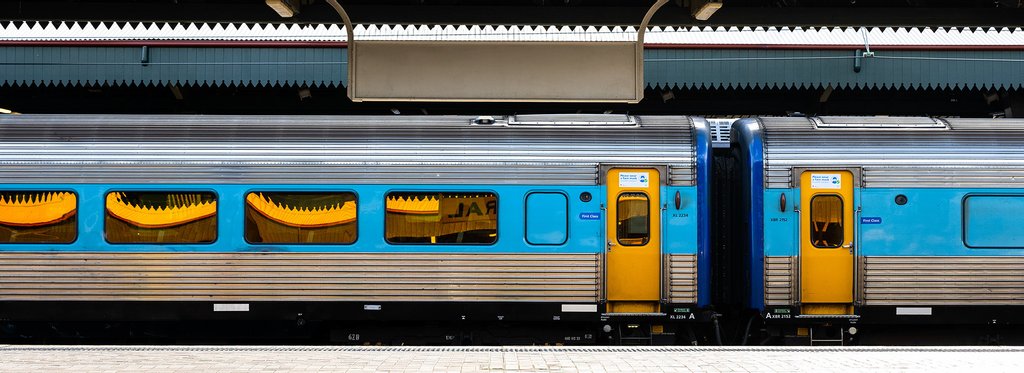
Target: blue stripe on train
748 146
704 247
585 235
931 223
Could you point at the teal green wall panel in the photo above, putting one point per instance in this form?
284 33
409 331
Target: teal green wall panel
667 68
183 66
689 68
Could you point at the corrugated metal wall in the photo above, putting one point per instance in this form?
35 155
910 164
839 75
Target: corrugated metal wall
683 68
335 149
283 277
744 68
182 66
894 152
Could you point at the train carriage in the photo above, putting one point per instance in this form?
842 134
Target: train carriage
862 221
597 220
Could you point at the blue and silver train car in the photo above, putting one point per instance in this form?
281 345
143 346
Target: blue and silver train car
861 221
592 220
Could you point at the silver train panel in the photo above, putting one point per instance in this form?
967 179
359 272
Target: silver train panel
95 276
779 280
935 280
335 149
910 281
898 152
682 278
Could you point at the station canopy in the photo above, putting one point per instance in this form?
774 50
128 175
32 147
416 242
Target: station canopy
806 13
477 69
315 55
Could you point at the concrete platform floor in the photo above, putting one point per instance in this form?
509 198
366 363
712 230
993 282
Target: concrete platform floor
210 359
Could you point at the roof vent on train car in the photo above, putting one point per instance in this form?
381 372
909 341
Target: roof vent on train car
574 120
484 120
894 123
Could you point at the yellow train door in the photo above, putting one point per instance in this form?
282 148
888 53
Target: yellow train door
826 242
633 259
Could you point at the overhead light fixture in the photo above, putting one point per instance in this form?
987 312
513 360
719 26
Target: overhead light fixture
702 10
825 94
667 95
177 92
7 111
284 8
991 98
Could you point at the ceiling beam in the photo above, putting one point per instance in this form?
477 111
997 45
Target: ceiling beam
672 14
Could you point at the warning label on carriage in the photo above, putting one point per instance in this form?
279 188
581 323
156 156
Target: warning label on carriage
634 179
826 181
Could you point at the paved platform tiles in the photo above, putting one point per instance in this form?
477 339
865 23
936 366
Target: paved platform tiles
211 359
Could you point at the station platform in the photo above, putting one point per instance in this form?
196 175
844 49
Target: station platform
209 359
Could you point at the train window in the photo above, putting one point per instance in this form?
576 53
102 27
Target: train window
300 217
547 218
38 216
441 218
827 221
161 217
993 221
633 212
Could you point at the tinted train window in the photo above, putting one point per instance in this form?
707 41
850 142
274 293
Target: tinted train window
993 221
633 212
441 218
547 218
300 217
161 217
38 217
827 221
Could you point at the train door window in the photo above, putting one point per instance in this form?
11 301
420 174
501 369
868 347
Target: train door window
181 217
827 221
38 217
633 211
547 218
300 218
993 221
441 218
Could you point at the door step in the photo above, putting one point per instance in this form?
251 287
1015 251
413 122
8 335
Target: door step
634 314
828 336
845 317
636 335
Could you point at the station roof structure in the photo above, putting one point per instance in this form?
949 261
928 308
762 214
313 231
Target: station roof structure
314 55
929 13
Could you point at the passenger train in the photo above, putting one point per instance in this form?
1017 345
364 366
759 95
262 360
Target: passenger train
865 221
537 229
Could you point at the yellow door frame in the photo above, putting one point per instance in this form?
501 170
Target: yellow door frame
826 262
633 272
